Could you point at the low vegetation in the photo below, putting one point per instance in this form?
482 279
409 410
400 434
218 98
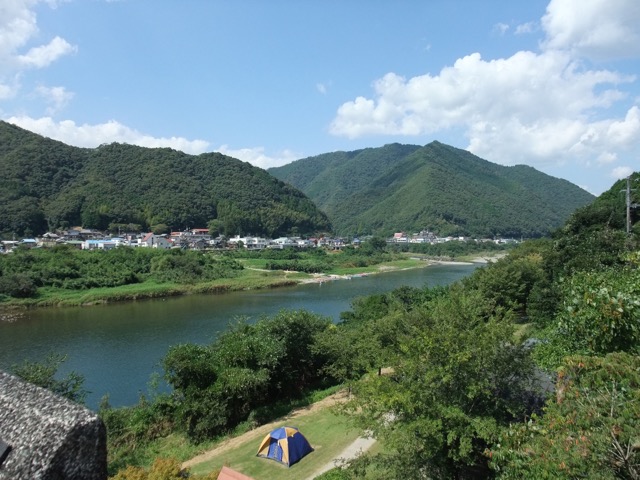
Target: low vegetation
62 275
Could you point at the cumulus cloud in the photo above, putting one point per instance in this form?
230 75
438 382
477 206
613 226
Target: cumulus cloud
526 28
543 108
18 27
621 172
56 97
91 136
256 156
45 55
599 29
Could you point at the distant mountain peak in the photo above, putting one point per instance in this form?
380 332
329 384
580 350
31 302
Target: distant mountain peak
438 187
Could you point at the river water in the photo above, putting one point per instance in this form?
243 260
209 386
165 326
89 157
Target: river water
118 347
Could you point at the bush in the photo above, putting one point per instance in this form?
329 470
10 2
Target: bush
18 285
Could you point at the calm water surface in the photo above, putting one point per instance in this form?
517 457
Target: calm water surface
118 347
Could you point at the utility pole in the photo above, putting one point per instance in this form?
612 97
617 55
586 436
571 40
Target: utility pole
629 204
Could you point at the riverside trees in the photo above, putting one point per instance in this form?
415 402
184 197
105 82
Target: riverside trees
441 414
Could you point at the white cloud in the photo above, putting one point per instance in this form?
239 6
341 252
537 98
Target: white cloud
607 157
526 28
621 172
600 29
8 91
256 156
18 27
45 55
527 88
56 97
500 28
539 108
93 135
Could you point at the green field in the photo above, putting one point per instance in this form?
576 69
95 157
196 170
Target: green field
328 433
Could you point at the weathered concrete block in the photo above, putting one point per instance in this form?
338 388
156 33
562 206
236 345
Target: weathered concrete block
51 438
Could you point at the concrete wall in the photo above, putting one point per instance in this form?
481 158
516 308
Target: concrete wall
50 437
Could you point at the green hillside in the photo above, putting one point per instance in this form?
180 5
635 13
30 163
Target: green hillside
47 184
436 187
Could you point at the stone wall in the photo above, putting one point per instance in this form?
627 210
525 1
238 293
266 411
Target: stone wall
49 437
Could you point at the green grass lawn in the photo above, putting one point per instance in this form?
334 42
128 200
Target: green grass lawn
328 433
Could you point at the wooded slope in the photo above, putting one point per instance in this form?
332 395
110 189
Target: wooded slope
436 187
47 184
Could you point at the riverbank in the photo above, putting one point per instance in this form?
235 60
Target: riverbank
248 279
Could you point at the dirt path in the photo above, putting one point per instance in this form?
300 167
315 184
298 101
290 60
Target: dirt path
359 446
262 430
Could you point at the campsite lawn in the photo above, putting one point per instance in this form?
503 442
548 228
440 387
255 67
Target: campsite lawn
328 433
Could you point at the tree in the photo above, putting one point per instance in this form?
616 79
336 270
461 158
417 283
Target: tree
43 374
216 227
460 379
589 429
599 313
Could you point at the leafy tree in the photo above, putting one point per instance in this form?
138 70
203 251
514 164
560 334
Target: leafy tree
216 227
599 314
160 229
510 281
588 430
461 378
189 366
43 374
219 385
162 469
18 285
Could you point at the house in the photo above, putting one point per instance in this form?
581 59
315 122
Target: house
250 243
29 242
283 242
49 239
425 236
400 237
98 245
152 240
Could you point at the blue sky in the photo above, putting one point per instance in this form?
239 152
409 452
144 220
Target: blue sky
551 84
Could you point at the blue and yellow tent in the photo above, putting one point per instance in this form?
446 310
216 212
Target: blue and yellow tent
285 445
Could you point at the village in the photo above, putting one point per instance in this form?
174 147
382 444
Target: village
201 239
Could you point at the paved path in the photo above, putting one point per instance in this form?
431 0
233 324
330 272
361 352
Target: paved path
359 446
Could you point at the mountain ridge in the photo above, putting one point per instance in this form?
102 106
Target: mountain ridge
435 187
48 184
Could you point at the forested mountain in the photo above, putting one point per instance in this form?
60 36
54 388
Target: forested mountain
437 187
46 184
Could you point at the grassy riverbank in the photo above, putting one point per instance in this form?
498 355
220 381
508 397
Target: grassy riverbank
252 277
64 277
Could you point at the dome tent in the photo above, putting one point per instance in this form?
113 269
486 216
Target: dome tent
285 445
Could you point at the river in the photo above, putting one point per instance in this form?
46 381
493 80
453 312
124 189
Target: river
118 347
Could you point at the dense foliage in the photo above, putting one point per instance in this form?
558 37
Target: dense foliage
436 187
47 184
590 430
25 271
239 377
440 413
